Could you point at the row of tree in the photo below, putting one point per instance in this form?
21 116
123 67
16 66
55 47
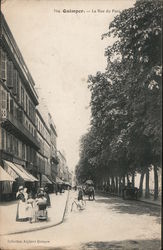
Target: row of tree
125 133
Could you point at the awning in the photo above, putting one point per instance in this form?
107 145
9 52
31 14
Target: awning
26 172
23 174
45 179
51 179
67 183
4 176
59 181
10 171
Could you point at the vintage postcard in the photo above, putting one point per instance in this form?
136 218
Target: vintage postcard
80 124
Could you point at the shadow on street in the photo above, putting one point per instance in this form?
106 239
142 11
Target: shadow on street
129 206
125 245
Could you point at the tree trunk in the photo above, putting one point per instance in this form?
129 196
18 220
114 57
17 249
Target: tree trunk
108 181
123 181
116 184
133 180
147 184
119 186
155 183
141 184
128 178
112 184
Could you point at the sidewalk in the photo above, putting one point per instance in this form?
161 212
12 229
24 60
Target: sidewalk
151 201
145 200
11 226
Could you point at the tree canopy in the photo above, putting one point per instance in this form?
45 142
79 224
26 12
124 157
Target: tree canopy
125 133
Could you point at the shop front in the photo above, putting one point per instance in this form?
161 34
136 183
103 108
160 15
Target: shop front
20 176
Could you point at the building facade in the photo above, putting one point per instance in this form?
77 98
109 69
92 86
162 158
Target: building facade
63 171
18 103
28 137
43 153
53 149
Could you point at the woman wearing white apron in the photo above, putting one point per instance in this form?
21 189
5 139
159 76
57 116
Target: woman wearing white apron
21 214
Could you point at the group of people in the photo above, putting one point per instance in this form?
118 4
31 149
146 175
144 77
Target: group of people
28 206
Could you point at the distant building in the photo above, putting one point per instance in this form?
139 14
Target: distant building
61 165
53 149
43 154
63 172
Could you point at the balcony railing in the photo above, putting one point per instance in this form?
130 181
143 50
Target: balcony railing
14 125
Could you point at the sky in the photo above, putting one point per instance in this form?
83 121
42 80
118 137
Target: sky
61 48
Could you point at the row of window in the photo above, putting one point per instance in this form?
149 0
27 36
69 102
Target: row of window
11 106
14 146
43 164
8 104
11 77
44 147
42 129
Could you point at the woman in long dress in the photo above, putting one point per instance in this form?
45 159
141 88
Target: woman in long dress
47 196
21 214
31 209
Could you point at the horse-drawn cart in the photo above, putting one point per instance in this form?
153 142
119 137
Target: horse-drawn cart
89 189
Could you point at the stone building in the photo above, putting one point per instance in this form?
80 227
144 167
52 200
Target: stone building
53 149
43 153
28 147
63 171
18 101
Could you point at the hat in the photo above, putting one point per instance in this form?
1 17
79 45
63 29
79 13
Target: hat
20 188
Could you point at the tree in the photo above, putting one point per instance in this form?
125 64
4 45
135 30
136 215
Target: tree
126 98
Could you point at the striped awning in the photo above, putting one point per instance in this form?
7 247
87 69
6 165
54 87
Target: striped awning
58 180
67 183
26 172
45 180
19 170
4 176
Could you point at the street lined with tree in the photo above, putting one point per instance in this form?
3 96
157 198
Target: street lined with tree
125 133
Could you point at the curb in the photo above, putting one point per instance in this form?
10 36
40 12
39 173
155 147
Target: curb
150 203
65 210
42 227
143 201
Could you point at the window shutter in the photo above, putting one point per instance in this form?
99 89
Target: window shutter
4 99
8 102
18 87
11 106
9 74
20 116
15 76
22 97
3 74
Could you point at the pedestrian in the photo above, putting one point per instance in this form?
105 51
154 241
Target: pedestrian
56 189
46 195
80 194
40 191
30 208
25 194
21 207
41 202
15 187
60 188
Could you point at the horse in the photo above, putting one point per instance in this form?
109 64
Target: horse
90 191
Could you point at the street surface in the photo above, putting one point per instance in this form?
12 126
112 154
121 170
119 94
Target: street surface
106 223
8 215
